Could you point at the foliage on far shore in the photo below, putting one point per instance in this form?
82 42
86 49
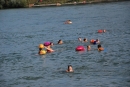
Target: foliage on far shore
13 4
26 3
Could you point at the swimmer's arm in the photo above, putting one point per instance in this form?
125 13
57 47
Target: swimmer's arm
49 49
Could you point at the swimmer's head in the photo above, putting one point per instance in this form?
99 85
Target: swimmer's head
51 43
70 69
88 46
104 30
97 39
60 42
85 40
40 49
80 39
99 46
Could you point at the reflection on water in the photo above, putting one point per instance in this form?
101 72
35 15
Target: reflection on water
22 30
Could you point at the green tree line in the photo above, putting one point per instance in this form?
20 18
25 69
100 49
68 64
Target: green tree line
13 3
25 3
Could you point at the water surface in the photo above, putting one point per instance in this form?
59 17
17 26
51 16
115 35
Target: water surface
22 30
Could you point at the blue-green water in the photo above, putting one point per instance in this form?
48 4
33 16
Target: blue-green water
22 30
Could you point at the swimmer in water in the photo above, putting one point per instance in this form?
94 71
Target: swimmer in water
68 22
85 40
70 69
60 42
41 51
97 41
100 48
51 43
80 39
104 31
49 49
88 47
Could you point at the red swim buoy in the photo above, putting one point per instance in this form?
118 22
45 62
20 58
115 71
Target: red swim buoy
100 31
92 41
80 48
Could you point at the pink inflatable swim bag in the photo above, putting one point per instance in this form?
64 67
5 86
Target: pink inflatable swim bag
47 43
80 48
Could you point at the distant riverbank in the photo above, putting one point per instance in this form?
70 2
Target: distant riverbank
5 4
74 3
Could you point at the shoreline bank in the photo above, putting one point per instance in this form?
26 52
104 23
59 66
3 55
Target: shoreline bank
3 5
78 3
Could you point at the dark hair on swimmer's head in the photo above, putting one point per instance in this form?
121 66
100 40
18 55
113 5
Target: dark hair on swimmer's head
88 46
69 66
51 43
97 39
40 49
84 39
99 46
59 41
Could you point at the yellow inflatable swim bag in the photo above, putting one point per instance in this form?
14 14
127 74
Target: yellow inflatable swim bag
41 46
42 52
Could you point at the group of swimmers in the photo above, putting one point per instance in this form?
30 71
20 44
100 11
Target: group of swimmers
47 46
100 48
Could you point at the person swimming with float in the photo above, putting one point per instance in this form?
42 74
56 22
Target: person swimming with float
96 41
68 22
41 49
101 31
48 47
70 69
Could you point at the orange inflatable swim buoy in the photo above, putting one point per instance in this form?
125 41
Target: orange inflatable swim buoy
80 48
92 41
100 31
41 46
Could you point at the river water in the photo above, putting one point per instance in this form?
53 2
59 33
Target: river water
22 30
